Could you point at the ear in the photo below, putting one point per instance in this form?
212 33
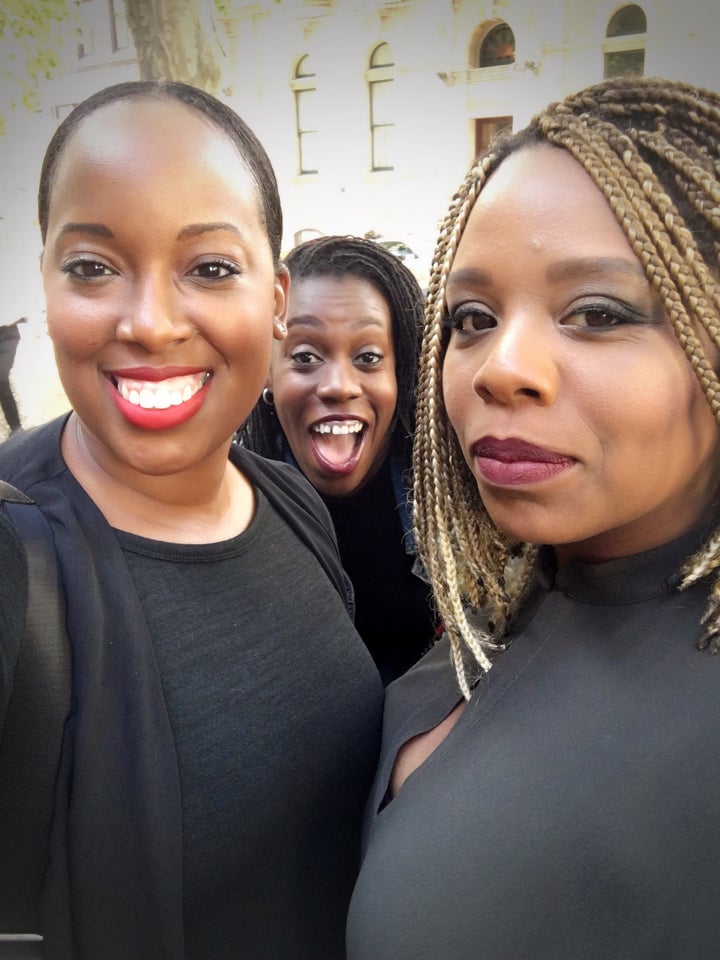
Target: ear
282 291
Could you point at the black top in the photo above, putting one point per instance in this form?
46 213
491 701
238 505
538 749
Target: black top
571 810
393 614
265 700
13 597
149 792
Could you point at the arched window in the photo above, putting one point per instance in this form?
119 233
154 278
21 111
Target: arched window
497 47
305 93
624 47
627 21
382 124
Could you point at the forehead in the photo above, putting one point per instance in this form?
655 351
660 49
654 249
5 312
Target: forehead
148 138
541 200
337 307
329 291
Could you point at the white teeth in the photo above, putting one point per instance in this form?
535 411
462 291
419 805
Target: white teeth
163 394
338 429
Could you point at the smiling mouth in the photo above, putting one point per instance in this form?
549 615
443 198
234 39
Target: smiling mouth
163 394
337 444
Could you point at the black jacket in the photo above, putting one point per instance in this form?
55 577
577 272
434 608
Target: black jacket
118 752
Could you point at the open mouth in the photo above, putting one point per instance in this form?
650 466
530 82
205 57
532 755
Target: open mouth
337 444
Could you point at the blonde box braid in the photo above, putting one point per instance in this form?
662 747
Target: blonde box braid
653 149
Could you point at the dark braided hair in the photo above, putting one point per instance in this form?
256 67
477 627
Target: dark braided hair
347 256
652 147
211 109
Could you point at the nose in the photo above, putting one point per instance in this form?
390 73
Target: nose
519 365
339 380
153 316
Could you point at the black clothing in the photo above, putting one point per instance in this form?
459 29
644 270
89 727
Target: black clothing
571 810
13 597
256 847
9 339
393 614
131 763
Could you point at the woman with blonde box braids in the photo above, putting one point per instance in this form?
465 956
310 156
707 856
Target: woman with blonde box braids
550 771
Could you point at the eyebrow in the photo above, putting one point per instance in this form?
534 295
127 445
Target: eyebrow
97 229
557 272
595 267
193 230
310 320
470 276
304 320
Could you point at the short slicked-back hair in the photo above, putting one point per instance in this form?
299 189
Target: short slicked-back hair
210 108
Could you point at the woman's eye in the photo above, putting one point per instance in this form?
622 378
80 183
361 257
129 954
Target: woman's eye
601 316
470 318
369 358
215 270
304 357
86 269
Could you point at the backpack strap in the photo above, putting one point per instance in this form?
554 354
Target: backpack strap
32 735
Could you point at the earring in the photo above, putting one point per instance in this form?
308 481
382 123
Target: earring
268 398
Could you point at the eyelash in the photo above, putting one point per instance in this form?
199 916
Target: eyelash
298 357
376 358
454 319
616 312
231 268
71 267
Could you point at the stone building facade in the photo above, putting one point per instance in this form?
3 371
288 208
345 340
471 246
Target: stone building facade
371 110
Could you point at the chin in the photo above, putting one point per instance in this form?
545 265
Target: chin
338 488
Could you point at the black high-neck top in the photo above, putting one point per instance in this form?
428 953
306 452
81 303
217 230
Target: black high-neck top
571 810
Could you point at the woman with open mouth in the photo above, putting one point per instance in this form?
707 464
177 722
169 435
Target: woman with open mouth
340 405
550 771
224 713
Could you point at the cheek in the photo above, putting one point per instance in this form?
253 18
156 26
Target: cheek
657 421
239 335
292 396
456 389
390 395
76 328
290 391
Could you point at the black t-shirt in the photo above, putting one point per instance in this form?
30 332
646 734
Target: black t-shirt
393 613
276 738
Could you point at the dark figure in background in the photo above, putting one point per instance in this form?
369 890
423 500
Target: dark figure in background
340 405
9 339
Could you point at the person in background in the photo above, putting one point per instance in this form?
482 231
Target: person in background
225 713
340 405
549 778
9 340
